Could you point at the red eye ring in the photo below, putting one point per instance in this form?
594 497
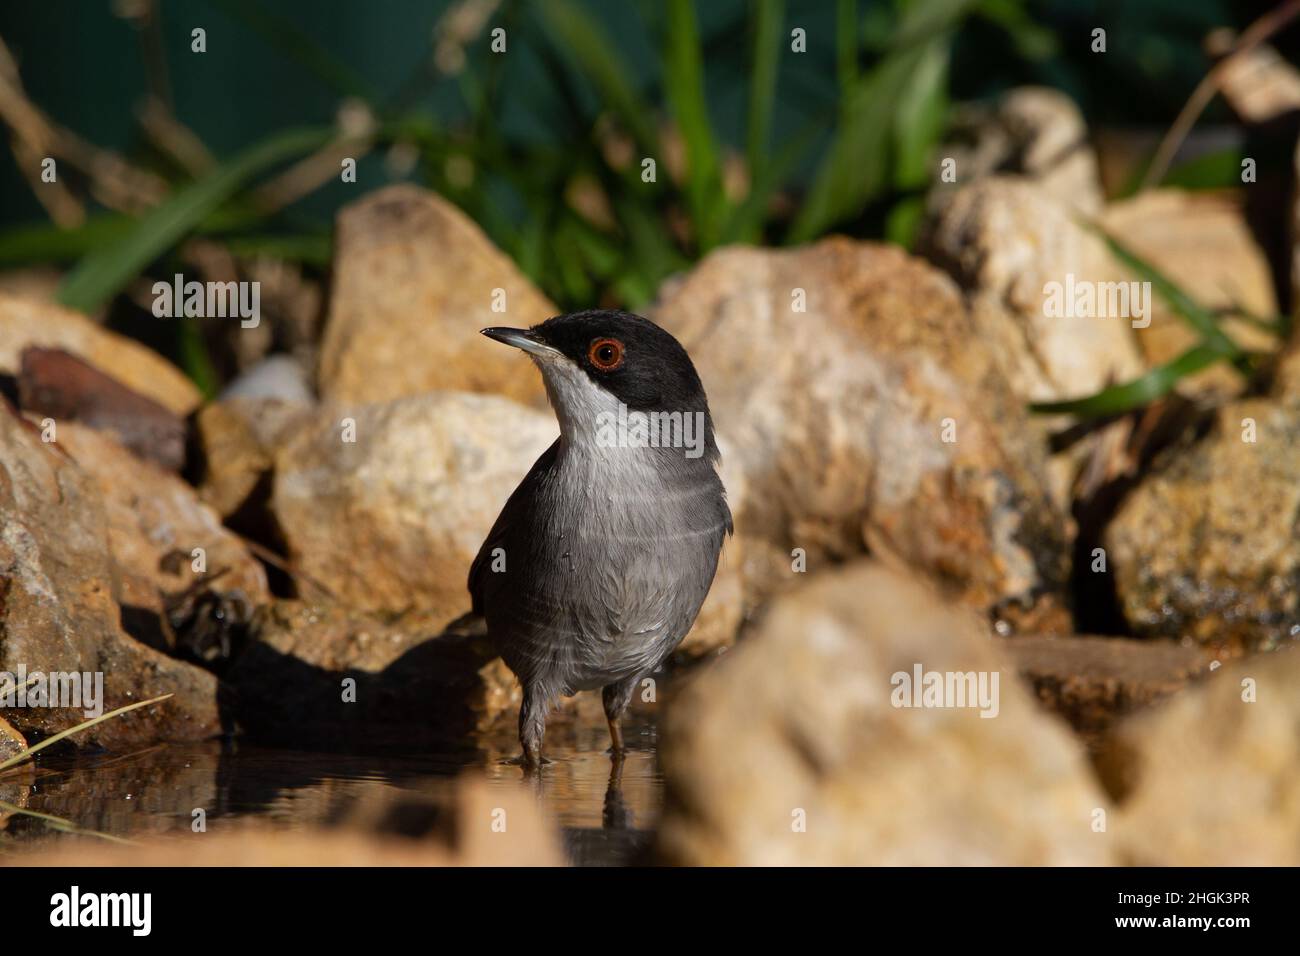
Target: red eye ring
606 354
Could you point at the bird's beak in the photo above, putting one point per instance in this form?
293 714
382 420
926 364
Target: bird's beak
520 339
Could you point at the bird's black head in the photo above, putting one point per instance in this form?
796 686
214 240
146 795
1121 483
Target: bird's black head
624 356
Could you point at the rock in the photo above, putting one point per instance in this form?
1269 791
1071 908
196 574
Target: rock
1210 779
1206 546
421 679
1201 242
795 726
1005 240
393 519
274 377
11 741
837 418
1093 681
26 322
57 613
61 386
414 281
151 515
462 835
1036 133
237 440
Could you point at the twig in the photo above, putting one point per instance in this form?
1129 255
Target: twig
1255 34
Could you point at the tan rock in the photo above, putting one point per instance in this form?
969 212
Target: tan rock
11 741
1209 778
414 281
836 418
25 322
796 725
394 519
238 438
151 514
57 613
1201 242
1206 547
1004 239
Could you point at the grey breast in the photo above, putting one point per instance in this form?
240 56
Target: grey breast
608 563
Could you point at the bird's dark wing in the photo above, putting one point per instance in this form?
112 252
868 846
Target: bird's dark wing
514 512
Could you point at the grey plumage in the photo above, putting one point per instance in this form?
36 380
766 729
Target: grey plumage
608 550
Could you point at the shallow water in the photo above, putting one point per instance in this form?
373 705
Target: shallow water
155 791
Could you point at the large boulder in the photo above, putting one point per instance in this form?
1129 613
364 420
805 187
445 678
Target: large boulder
874 420
414 281
57 612
792 749
26 322
1212 777
393 519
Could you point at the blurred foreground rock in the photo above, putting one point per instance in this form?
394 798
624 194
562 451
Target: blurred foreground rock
420 679
414 281
837 418
25 323
797 720
57 612
1212 778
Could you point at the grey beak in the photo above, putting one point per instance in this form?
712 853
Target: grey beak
520 339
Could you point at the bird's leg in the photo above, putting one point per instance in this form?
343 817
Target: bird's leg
616 698
532 727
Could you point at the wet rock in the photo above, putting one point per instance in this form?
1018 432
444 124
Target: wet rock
237 439
1035 133
56 384
414 281
57 612
155 523
393 519
837 418
1005 240
418 679
11 741
1093 681
26 322
1206 546
1212 777
1202 243
789 750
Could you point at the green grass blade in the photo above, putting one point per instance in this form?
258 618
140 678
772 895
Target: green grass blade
84 725
768 18
684 86
921 115
577 36
104 272
1203 320
1124 398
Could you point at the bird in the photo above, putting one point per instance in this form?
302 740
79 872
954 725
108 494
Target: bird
598 564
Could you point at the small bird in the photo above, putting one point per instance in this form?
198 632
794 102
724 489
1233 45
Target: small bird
598 563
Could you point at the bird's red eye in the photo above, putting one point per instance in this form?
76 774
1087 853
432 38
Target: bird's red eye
606 354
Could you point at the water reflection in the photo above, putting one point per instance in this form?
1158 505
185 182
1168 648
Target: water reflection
606 809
